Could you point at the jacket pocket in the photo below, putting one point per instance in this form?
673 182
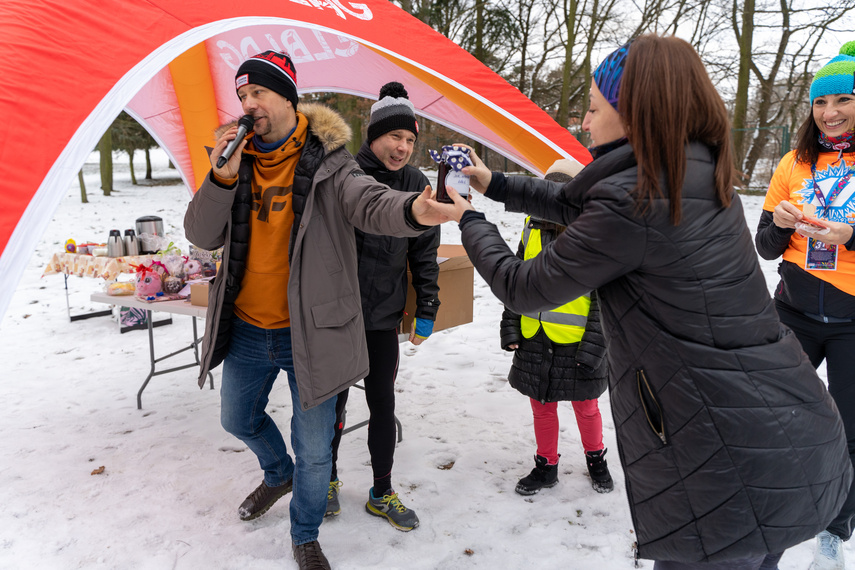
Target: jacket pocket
335 346
335 313
650 406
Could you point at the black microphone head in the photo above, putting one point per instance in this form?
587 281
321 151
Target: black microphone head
247 121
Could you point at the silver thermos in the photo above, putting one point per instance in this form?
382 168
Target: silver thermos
132 244
115 245
147 228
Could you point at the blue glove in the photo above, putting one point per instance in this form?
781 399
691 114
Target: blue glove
423 327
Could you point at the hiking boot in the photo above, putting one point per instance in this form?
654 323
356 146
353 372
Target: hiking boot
309 556
542 476
259 501
391 507
333 506
829 552
598 469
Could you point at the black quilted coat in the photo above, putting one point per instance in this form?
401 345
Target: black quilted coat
550 372
730 444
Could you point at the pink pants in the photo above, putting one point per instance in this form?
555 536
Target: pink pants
588 419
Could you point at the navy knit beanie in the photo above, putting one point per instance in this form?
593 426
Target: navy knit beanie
270 69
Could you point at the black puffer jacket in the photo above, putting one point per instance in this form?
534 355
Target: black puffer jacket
383 259
550 372
730 444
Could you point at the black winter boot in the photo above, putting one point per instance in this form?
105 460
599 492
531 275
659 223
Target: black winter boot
542 476
598 469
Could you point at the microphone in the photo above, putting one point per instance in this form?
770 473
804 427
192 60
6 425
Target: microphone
244 126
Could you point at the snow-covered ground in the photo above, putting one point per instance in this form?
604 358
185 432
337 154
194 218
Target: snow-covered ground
173 479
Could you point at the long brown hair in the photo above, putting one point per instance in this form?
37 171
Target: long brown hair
666 101
807 148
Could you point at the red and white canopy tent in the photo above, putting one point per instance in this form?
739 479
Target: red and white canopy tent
70 67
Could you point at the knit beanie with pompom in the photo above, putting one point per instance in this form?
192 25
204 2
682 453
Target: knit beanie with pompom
837 76
391 112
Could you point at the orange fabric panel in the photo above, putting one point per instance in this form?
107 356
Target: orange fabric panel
194 88
527 144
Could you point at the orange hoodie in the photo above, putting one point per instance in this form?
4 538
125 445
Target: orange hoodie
263 297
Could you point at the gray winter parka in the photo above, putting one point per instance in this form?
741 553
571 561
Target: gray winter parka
730 444
327 333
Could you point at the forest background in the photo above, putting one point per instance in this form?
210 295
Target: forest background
760 54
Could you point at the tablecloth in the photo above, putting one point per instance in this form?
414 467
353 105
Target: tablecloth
93 266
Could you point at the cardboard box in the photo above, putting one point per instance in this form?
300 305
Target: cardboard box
199 294
456 290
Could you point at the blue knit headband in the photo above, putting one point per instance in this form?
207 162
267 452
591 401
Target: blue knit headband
608 74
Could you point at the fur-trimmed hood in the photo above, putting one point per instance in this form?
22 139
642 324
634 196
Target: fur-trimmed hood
325 123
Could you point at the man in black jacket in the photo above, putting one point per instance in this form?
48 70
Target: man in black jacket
383 260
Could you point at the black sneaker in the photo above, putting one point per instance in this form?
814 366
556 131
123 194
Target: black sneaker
598 469
542 476
309 556
259 501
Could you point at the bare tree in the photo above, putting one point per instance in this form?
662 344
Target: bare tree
105 148
778 48
129 136
83 198
582 25
759 53
745 40
569 22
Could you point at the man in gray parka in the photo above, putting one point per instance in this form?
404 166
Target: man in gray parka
286 297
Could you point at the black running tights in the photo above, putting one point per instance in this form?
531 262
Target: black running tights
380 395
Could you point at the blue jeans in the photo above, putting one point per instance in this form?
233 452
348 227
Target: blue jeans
255 358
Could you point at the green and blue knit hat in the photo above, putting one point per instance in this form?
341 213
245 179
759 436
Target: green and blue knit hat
837 76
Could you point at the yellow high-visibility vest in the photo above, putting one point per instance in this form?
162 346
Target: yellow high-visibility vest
564 325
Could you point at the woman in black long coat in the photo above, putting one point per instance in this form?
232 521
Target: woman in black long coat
731 446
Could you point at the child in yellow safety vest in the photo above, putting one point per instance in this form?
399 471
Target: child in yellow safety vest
558 355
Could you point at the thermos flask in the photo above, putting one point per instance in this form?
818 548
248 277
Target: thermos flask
132 245
115 245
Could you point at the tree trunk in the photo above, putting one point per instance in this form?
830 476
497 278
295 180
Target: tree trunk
596 24
479 51
479 30
105 147
570 24
147 164
133 174
740 104
755 149
356 140
523 48
83 198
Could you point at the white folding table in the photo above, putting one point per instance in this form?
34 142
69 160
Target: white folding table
182 307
